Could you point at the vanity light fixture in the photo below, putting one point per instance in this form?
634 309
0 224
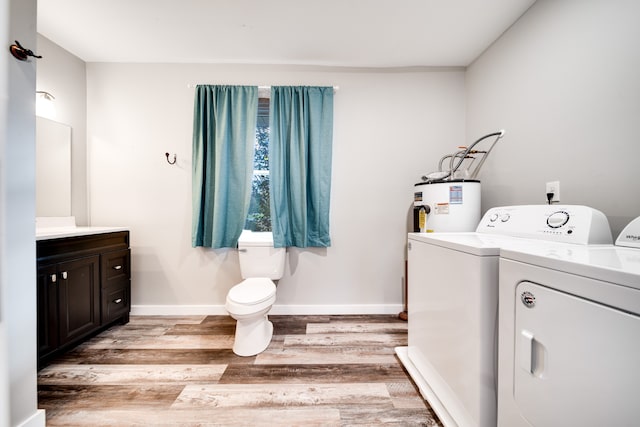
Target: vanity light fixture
44 105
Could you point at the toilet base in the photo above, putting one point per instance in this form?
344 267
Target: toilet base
253 335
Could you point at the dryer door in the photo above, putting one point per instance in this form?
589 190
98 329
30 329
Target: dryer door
576 360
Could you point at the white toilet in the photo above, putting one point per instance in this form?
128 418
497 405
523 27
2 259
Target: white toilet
249 301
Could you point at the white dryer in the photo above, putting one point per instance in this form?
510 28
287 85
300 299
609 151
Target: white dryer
453 303
569 340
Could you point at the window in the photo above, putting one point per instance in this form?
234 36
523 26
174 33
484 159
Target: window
296 182
259 217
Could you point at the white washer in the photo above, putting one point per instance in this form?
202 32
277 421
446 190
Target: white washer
453 303
569 341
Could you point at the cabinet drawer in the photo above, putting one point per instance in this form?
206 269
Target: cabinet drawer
55 250
115 267
115 302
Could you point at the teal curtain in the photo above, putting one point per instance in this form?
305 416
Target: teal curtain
224 128
300 147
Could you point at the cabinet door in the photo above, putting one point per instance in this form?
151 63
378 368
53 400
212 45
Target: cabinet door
47 292
79 297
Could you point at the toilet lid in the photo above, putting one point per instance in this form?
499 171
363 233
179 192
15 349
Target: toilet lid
252 291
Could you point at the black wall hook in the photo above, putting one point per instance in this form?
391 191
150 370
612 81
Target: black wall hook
174 159
21 53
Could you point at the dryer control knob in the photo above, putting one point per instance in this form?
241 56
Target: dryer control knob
557 219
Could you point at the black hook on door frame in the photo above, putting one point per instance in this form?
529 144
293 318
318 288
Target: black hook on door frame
20 53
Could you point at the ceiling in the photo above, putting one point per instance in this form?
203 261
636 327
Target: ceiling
349 33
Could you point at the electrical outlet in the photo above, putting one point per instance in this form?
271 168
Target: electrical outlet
554 187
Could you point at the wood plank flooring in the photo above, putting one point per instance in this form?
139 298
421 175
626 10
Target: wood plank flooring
181 371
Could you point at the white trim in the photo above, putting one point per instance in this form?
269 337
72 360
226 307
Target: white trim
195 310
36 420
177 310
338 309
425 390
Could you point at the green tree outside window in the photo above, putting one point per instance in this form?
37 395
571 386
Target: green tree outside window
259 217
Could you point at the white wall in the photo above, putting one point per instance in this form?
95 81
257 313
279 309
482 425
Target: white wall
17 225
390 127
564 83
64 76
4 323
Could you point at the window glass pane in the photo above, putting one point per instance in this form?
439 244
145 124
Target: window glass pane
259 217
261 149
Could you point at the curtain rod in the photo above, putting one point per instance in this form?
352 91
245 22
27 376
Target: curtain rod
192 85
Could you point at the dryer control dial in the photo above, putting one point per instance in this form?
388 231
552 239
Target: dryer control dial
557 219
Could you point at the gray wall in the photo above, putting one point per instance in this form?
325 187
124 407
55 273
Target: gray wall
17 224
390 127
564 82
64 76
4 323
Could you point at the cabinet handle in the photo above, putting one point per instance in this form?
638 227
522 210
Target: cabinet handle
117 301
54 278
64 275
117 267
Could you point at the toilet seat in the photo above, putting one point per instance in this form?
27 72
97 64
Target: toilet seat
252 291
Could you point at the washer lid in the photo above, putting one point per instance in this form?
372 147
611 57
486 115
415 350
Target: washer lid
468 242
252 291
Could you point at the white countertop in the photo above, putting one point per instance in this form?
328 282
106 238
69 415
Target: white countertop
61 232
59 227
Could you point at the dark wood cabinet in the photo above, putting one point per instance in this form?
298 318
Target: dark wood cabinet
78 298
68 302
47 310
83 287
114 278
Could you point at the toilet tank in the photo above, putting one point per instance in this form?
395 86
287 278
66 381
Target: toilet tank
258 257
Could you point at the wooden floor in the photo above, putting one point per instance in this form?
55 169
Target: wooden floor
170 371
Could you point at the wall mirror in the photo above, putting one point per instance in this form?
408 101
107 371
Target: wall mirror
53 168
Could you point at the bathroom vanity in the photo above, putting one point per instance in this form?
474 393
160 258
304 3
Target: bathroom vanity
83 285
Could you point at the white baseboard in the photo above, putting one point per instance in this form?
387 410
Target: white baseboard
38 419
177 310
337 309
198 310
